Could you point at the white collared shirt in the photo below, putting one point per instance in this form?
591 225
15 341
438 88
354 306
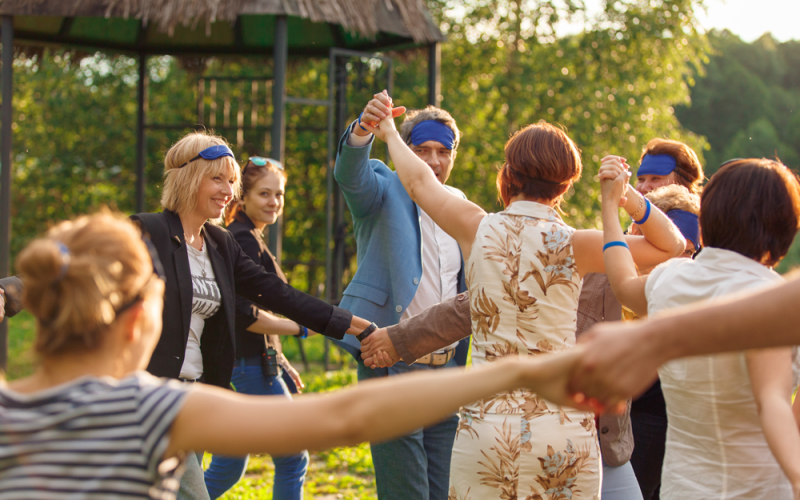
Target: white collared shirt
441 262
714 426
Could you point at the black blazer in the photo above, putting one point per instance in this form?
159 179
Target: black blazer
235 273
249 344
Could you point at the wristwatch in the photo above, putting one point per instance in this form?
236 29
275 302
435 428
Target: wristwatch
367 332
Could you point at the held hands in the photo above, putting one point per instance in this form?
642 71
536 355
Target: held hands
377 350
378 116
614 174
618 362
549 377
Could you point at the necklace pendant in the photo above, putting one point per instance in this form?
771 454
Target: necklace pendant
204 273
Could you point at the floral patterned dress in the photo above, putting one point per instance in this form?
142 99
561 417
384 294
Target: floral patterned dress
524 292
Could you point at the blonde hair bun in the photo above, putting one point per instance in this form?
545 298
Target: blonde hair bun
77 277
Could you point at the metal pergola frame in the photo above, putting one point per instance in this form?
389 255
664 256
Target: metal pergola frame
280 58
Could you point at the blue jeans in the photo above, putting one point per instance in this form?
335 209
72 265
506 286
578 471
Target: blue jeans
290 471
416 465
619 483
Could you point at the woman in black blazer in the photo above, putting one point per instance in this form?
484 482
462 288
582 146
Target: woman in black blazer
205 269
200 178
261 203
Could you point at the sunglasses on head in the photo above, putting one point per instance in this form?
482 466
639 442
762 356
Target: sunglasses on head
260 161
212 153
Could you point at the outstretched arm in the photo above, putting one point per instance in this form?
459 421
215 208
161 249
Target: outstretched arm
621 359
771 378
457 216
661 240
376 410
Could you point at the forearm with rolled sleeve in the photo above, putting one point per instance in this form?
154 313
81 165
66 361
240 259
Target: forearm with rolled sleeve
435 328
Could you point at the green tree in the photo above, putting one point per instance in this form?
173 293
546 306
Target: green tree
761 140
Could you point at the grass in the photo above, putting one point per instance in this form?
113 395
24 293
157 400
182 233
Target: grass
340 473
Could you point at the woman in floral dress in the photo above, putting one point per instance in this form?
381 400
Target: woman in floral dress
524 268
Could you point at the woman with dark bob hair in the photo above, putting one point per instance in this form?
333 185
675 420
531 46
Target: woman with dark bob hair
730 422
524 268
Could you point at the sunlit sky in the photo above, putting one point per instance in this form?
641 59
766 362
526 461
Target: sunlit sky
752 18
748 18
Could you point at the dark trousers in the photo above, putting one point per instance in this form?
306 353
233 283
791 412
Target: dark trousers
649 438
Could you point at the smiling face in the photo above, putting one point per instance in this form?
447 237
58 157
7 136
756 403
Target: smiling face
263 203
214 193
647 183
437 156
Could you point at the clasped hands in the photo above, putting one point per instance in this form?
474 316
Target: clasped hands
611 363
378 116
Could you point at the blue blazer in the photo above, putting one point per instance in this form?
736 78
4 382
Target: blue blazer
388 239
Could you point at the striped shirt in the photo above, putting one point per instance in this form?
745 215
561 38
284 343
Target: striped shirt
91 438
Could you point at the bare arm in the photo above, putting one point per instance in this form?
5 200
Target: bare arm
269 324
621 360
376 410
771 378
457 216
661 240
625 281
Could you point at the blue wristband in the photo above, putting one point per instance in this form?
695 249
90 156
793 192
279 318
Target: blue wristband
359 123
615 244
646 213
303 332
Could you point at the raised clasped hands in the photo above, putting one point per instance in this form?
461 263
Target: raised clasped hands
378 116
378 351
614 174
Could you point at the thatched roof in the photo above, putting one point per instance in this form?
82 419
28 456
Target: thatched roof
368 18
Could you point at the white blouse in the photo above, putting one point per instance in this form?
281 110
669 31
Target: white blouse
715 448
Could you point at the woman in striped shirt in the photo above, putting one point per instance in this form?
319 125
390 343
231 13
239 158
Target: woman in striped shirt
90 423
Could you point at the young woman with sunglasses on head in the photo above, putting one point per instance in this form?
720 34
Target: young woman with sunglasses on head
89 424
260 205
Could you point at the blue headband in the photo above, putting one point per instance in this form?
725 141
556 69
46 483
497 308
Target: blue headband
212 153
688 223
433 130
657 165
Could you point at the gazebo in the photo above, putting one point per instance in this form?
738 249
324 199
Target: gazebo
283 28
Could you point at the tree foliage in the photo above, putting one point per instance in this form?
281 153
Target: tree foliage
747 102
613 86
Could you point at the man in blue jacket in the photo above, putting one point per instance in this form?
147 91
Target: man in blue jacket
406 263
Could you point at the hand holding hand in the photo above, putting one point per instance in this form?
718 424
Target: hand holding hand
377 350
378 116
292 373
614 174
549 376
618 362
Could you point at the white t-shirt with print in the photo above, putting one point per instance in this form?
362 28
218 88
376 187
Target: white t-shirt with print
206 301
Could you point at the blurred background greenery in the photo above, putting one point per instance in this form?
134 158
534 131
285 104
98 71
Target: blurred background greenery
635 70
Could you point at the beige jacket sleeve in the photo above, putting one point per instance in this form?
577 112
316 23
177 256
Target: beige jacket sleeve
435 328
